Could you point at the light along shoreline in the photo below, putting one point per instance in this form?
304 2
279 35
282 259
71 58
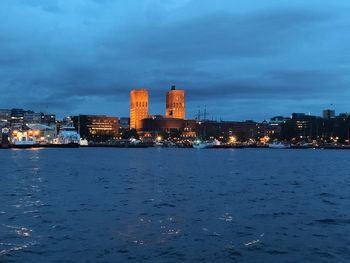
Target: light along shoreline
151 145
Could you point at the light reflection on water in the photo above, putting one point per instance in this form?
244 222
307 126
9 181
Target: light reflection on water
22 195
169 205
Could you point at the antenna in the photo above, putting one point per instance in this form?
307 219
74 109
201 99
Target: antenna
199 114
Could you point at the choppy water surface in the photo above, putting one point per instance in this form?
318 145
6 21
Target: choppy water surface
174 205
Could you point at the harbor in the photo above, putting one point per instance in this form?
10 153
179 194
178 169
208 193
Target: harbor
27 129
168 144
186 204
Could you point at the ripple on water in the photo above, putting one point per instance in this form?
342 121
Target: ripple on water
16 247
333 221
20 236
174 207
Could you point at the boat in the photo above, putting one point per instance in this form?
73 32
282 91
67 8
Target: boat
205 144
68 137
24 144
279 145
23 138
158 144
83 142
301 146
164 144
134 141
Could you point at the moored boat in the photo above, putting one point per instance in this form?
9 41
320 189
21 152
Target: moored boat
205 144
279 145
68 137
23 138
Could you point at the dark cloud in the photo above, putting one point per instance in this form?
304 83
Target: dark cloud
85 56
224 35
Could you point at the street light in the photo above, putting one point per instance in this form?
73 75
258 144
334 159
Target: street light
233 139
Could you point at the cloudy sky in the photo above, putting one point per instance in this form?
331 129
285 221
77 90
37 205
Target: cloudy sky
247 59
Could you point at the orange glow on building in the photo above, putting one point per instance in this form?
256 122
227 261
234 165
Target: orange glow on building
138 107
175 104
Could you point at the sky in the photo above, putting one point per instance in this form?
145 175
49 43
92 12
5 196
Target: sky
247 59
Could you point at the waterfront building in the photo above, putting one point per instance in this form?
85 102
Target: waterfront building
97 128
155 125
4 135
30 117
138 107
344 115
124 123
222 130
274 127
328 114
305 125
278 120
302 127
17 117
48 119
5 115
175 103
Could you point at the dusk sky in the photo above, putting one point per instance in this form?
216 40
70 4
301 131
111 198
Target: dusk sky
242 59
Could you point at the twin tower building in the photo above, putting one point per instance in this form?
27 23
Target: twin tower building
175 106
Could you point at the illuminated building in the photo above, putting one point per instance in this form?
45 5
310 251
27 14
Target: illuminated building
241 131
304 125
48 119
17 117
32 117
124 123
138 107
39 118
158 124
97 128
175 103
5 115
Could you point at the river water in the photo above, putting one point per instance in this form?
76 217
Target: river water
174 205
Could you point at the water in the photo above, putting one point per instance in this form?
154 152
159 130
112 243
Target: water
174 205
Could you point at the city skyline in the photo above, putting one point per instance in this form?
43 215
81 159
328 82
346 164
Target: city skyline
240 60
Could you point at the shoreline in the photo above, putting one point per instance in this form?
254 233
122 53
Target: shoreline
340 147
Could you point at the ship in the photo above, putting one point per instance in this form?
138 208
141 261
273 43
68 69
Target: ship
24 144
279 145
68 137
206 144
24 138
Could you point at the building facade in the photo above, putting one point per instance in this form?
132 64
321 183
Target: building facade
124 123
17 117
175 103
5 115
155 125
32 117
222 130
48 119
138 107
328 114
97 128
